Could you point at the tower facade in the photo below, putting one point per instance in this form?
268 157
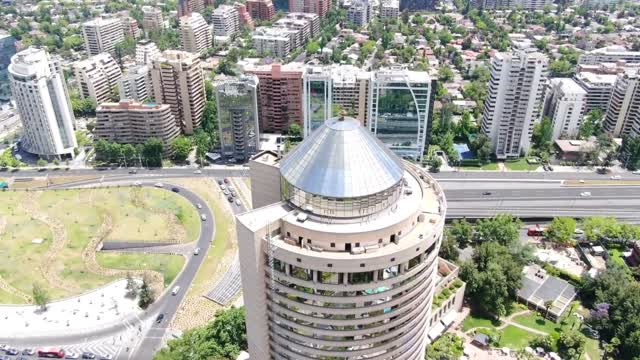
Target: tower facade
345 265
102 34
42 99
97 77
195 34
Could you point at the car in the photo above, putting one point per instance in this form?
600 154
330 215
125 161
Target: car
616 177
230 198
12 351
581 181
203 217
158 185
137 183
226 192
223 187
199 206
637 172
238 202
196 251
72 356
134 171
28 352
198 172
3 347
220 182
578 231
175 189
226 180
88 355
106 357
234 193
175 290
159 318
585 194
486 193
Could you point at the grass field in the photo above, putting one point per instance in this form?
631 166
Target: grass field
168 265
515 338
489 166
67 220
520 165
536 321
475 321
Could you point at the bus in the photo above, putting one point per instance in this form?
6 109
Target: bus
536 231
51 352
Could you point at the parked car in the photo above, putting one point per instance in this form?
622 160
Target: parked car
12 351
28 352
238 202
106 357
158 185
223 187
230 198
72 355
175 189
196 251
220 182
133 171
226 180
226 192
159 318
88 355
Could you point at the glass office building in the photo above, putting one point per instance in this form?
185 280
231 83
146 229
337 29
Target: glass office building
317 97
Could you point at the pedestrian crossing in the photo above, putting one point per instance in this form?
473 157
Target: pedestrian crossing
100 348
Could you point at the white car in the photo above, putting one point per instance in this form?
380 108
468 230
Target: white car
159 185
585 194
196 251
238 202
578 231
72 356
637 172
199 206
175 290
198 172
137 183
616 177
203 217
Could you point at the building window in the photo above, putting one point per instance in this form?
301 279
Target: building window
361 277
414 262
333 245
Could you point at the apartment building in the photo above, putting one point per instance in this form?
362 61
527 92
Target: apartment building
612 53
279 96
514 102
244 16
237 104
226 21
135 84
195 34
261 9
401 110
312 19
623 112
268 41
187 7
564 104
511 4
389 9
298 31
598 87
131 122
146 51
177 80
318 7
42 100
130 27
353 236
102 34
97 77
152 18
360 12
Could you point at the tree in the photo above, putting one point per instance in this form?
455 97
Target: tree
502 228
202 141
448 347
445 74
132 287
448 249
630 152
481 146
312 47
295 131
152 152
434 164
592 124
561 68
547 306
542 134
561 230
41 163
181 147
493 277
571 345
462 232
146 296
222 339
40 296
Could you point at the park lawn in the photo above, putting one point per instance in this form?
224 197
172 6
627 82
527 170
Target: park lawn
536 321
475 321
520 165
489 166
515 338
592 348
168 265
7 298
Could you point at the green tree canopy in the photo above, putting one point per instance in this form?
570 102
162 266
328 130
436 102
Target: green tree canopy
181 147
502 228
561 230
461 231
448 347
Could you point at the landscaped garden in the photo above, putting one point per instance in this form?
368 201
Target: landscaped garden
49 237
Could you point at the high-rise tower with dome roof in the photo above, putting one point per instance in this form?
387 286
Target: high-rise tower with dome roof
344 265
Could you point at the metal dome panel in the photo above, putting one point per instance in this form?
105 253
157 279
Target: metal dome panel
342 159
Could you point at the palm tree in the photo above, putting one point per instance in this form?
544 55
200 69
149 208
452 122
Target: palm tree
547 305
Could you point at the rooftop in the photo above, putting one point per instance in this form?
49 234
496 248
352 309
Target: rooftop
568 86
342 159
594 78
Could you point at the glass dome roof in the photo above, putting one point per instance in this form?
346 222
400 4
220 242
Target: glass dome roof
342 159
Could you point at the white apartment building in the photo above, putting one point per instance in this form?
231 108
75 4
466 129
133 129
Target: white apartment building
102 34
271 42
400 110
598 87
389 9
177 80
195 34
623 113
312 19
612 53
226 20
564 104
152 18
360 12
237 104
512 4
146 51
339 257
97 77
514 101
135 84
42 99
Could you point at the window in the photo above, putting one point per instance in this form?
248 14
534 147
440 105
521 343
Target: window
329 277
301 273
414 262
333 245
361 277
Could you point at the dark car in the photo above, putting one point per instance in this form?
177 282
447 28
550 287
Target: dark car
28 352
88 355
230 198
175 189
486 193
133 171
160 318
12 351
226 181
